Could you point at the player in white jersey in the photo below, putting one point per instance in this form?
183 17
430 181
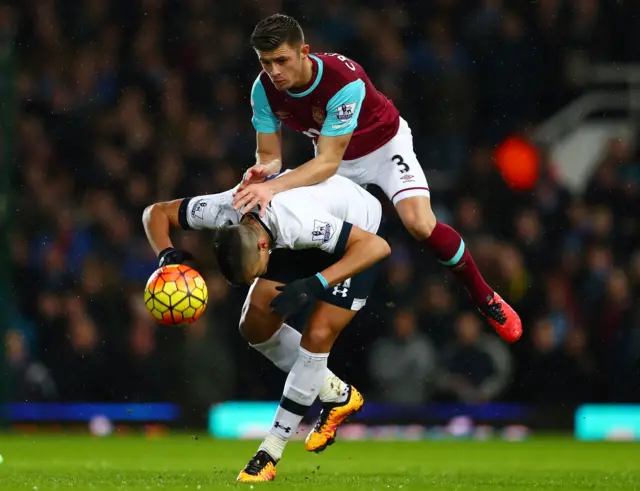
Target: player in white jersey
314 244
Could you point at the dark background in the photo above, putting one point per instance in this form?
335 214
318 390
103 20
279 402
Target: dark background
124 103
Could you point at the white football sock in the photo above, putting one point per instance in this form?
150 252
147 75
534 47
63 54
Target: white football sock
333 389
282 350
300 391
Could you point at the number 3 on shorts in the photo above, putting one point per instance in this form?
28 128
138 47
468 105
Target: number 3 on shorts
399 161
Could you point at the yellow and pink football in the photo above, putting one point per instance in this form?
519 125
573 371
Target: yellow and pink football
176 294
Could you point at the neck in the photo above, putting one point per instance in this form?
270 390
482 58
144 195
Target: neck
306 74
251 221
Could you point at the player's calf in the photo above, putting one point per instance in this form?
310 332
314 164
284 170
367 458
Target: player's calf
300 391
450 250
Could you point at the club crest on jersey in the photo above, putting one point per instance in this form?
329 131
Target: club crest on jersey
322 231
345 112
318 114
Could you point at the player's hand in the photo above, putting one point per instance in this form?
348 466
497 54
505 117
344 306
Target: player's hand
296 295
255 174
173 256
253 195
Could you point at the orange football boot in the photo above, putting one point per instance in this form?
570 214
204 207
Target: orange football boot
332 416
261 468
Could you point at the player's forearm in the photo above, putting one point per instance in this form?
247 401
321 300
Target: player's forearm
312 172
157 225
272 164
269 151
359 256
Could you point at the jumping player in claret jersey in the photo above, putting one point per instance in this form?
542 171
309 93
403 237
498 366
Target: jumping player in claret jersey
357 133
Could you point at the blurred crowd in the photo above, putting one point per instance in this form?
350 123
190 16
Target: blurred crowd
124 103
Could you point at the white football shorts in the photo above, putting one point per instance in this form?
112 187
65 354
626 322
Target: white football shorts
394 167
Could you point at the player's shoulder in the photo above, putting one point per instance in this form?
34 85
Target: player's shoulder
338 68
290 201
209 211
259 82
285 215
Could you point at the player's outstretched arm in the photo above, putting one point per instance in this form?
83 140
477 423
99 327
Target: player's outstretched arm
269 150
330 152
268 159
363 250
158 219
342 112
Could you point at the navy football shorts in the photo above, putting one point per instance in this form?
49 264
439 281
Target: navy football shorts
287 265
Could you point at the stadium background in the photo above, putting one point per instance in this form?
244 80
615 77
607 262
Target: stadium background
120 104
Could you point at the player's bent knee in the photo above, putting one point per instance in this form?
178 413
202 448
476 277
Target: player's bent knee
248 324
421 228
257 326
417 217
325 325
257 321
317 339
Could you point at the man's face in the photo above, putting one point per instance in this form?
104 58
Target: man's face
284 65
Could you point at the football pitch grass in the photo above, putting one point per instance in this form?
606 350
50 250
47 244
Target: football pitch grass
42 463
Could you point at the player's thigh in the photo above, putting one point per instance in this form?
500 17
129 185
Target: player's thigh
325 324
353 292
285 265
258 322
336 307
398 172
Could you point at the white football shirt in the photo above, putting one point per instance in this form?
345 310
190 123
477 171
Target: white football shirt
208 211
301 218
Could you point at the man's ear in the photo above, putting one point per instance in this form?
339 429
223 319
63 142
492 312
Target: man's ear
263 244
304 50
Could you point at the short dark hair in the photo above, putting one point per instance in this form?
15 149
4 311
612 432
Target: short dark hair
231 246
275 30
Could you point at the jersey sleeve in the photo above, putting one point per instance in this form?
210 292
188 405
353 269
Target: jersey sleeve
299 226
343 109
263 120
208 211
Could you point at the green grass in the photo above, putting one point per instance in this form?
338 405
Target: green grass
42 463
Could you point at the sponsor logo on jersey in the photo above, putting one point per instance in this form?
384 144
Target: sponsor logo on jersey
346 111
322 231
407 178
318 114
283 114
198 209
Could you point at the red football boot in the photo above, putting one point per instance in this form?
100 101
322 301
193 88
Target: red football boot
502 318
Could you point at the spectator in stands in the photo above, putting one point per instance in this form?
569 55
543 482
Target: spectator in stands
29 379
402 364
121 106
551 376
474 368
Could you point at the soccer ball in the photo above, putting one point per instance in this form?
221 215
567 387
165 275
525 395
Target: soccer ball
176 294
